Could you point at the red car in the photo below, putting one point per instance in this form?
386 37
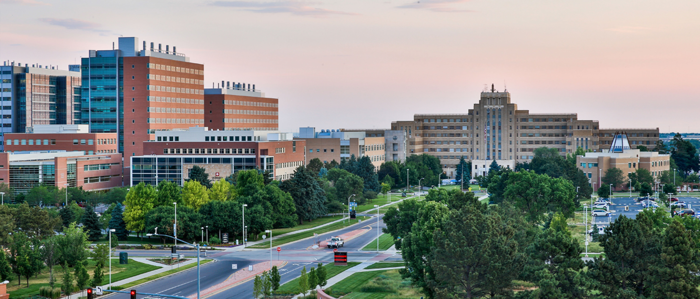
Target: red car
674 199
686 212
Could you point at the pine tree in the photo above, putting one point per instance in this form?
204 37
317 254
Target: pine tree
257 287
368 173
200 175
462 168
309 197
304 281
676 274
117 223
91 224
275 278
82 278
66 216
494 167
67 281
321 276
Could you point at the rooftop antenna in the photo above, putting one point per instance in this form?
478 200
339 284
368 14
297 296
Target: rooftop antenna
505 86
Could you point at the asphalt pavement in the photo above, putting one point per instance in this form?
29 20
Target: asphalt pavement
297 254
617 208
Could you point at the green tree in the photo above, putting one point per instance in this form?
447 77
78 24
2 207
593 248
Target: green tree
304 281
107 216
323 172
645 190
91 223
257 287
222 216
200 175
275 278
72 245
117 223
315 165
116 195
20 254
556 265
641 176
5 268
536 194
494 167
675 276
7 224
77 212
49 253
82 278
670 189
221 191
385 188
66 216
39 195
284 212
321 275
168 193
604 191
312 279
67 285
614 177
140 199
684 154
366 170
266 284
189 222
309 197
194 195
390 170
97 276
101 254
330 165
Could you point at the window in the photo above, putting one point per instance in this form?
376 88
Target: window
75 141
82 141
90 141
53 141
31 141
46 142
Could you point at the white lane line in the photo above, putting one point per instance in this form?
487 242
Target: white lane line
163 291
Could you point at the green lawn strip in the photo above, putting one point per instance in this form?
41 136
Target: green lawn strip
385 265
385 241
292 287
131 269
309 224
156 276
302 235
374 284
578 232
380 201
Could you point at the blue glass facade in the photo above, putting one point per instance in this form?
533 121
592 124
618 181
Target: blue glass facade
102 105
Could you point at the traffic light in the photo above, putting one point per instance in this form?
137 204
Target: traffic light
133 294
89 293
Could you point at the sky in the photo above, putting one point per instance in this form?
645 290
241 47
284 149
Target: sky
363 64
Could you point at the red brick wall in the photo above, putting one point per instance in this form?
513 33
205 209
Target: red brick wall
115 172
214 112
5 168
136 102
64 141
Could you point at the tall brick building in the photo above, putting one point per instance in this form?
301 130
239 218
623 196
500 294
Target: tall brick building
240 107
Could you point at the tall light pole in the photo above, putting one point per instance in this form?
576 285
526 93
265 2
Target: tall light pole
175 225
270 231
202 234
111 230
349 207
585 211
198 264
377 207
66 195
611 186
407 180
674 177
2 195
207 226
630 188
243 224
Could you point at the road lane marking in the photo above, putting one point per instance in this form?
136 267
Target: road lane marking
163 291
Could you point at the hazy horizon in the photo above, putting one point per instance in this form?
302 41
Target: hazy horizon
363 64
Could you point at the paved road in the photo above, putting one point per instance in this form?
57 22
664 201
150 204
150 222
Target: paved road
297 254
619 203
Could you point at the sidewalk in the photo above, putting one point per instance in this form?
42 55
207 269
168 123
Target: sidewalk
313 228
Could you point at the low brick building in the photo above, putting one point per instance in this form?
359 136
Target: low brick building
62 138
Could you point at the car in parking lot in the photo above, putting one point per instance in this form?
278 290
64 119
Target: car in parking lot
601 230
600 206
679 204
685 212
600 213
649 204
674 199
642 198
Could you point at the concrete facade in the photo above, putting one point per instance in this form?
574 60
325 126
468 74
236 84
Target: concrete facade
329 145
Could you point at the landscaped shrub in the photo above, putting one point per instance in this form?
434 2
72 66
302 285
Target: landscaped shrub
379 284
56 293
214 240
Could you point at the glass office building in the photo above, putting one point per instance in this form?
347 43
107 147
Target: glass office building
154 169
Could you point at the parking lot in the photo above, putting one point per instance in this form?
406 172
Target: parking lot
617 208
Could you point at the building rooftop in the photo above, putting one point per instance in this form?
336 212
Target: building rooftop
58 129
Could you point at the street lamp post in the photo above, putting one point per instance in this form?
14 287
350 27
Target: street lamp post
585 211
175 225
111 230
207 226
377 207
202 234
243 224
198 264
407 180
2 195
270 231
419 189
66 194
349 207
611 186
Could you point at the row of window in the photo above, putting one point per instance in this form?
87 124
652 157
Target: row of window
561 150
5 89
249 121
172 89
247 103
177 69
590 165
98 179
173 79
374 147
104 166
174 121
249 112
6 81
173 100
174 110
289 164
209 151
377 158
53 141
227 138
544 142
280 150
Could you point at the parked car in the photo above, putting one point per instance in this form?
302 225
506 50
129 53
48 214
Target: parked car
674 199
601 230
649 204
603 202
600 213
600 206
642 198
679 204
336 242
685 212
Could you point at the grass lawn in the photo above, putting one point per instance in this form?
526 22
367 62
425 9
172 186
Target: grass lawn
374 284
294 237
156 276
385 265
385 241
578 232
118 272
292 287
380 201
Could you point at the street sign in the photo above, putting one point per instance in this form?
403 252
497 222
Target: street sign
224 238
279 249
264 237
234 266
182 256
250 268
174 255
